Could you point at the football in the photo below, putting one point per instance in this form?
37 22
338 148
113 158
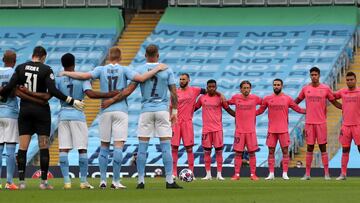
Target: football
158 172
186 175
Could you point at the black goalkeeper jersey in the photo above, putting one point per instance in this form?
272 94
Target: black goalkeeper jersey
36 77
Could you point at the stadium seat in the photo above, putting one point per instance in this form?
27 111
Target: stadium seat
9 3
187 2
53 3
299 2
75 3
345 2
210 2
255 2
277 2
117 3
232 2
31 3
96 3
322 2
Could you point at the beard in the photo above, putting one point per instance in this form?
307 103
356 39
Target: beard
184 85
277 91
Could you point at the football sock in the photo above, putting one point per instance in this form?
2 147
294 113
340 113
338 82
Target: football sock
219 160
238 162
21 159
83 165
44 163
174 152
10 162
325 161
285 162
1 152
190 156
103 162
117 159
167 159
141 160
344 162
64 166
271 163
252 163
207 160
309 158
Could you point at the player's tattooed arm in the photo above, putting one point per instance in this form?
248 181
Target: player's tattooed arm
336 104
230 111
76 75
37 95
98 95
298 100
174 103
149 74
262 108
294 106
120 96
27 97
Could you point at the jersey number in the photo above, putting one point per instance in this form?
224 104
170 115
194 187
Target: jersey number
31 81
71 89
153 90
112 82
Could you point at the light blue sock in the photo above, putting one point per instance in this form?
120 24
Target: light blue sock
117 159
141 160
10 162
1 152
64 166
103 162
83 165
167 159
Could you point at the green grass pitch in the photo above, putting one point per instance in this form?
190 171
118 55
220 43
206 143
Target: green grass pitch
316 190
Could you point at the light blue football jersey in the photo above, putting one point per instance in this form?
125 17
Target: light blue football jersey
10 108
154 91
75 89
113 77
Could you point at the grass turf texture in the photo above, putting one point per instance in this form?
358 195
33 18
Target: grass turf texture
316 190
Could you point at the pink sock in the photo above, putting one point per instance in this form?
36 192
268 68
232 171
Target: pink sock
238 163
325 161
309 157
344 163
190 156
174 152
271 163
219 160
207 160
285 162
252 164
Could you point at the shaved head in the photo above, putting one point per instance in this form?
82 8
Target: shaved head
9 58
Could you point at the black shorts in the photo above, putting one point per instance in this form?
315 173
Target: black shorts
34 120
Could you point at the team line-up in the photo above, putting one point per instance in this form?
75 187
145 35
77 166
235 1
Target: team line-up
34 83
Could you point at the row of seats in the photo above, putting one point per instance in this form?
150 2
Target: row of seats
60 3
260 2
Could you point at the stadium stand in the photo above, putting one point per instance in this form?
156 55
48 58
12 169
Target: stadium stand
79 31
227 44
266 43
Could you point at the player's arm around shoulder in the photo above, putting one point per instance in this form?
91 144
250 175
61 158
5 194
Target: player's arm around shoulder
226 106
294 106
149 74
120 95
332 99
174 103
263 106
